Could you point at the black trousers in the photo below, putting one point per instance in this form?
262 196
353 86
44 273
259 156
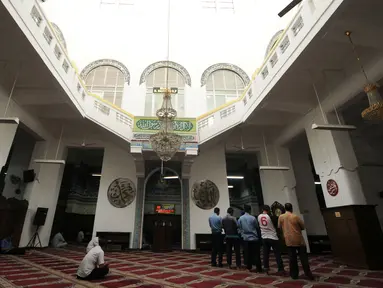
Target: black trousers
236 243
217 248
252 254
97 273
293 259
267 245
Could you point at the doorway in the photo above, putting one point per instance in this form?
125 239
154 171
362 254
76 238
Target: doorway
162 203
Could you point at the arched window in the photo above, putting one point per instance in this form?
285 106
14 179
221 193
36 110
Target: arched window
223 86
158 78
106 78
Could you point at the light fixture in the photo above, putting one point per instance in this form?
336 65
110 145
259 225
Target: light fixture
166 143
375 110
96 175
234 177
280 168
170 177
9 120
52 161
230 186
317 183
268 167
326 126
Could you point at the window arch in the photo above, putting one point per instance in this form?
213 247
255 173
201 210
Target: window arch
59 35
158 78
224 83
273 41
106 78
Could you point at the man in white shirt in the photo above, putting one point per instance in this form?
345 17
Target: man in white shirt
58 241
270 239
93 265
92 243
80 236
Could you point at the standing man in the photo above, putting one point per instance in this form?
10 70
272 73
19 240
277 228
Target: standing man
251 235
93 265
270 239
215 223
230 226
292 227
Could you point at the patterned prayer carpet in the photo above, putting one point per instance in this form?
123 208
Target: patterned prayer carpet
56 268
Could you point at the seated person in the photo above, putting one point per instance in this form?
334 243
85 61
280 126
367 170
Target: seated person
92 243
80 236
58 241
93 265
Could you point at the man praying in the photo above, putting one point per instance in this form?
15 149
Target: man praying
58 241
93 265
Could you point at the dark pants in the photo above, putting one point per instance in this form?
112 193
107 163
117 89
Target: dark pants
252 253
97 273
217 245
270 243
230 243
294 270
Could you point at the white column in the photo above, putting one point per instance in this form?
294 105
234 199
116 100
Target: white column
306 189
279 185
7 134
335 162
43 192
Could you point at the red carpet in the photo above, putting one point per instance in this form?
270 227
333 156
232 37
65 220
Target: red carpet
56 268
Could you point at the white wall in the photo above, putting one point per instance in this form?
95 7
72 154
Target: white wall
305 189
211 165
117 163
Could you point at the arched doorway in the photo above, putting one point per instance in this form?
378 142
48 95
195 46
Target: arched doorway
162 201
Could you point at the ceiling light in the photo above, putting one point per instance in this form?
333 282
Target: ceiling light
170 177
48 161
280 168
333 127
230 186
234 177
96 175
317 183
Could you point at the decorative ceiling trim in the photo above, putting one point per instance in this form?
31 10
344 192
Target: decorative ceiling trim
272 42
59 34
224 66
163 64
106 62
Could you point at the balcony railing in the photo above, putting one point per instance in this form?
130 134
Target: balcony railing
45 39
209 125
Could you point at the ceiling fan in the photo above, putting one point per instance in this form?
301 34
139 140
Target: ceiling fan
83 144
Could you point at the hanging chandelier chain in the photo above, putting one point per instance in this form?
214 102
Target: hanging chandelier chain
348 34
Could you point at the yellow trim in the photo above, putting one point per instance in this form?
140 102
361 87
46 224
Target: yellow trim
111 104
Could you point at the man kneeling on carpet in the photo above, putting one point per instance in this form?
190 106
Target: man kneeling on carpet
93 265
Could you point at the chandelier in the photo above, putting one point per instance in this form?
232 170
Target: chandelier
375 110
165 142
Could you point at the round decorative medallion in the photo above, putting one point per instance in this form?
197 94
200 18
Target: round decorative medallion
205 194
332 187
121 192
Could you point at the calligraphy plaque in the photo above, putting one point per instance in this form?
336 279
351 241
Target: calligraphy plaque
121 192
205 194
152 125
332 187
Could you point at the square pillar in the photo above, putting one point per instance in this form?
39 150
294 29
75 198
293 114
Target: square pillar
7 132
43 192
278 185
352 225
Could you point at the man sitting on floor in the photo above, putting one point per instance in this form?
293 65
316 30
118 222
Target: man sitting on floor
92 243
93 265
58 241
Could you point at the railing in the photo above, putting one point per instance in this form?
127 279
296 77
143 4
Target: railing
209 125
44 38
227 116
